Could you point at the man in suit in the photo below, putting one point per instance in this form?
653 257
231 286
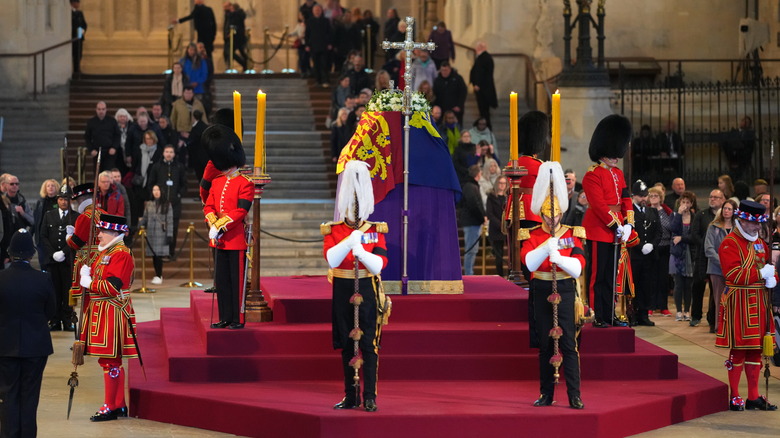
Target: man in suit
26 303
643 257
77 22
58 256
202 17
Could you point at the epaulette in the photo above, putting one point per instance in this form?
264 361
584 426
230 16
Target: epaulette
381 227
579 232
325 227
248 178
593 167
525 233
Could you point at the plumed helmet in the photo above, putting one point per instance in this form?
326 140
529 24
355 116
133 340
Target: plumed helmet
223 147
533 133
356 190
541 201
21 246
610 138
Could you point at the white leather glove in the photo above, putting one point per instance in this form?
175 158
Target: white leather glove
536 257
85 281
570 265
372 262
552 245
771 282
59 256
85 270
767 271
647 248
626 233
70 229
213 232
355 237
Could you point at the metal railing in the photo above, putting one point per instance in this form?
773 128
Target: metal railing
35 55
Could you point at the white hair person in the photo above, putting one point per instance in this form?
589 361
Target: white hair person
355 188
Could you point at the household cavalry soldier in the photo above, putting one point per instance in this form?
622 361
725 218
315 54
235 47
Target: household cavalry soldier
547 246
746 313
355 238
108 331
78 235
533 138
609 218
58 256
229 201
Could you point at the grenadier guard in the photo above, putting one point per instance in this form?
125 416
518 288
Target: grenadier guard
58 256
547 246
229 201
610 217
355 238
108 330
746 311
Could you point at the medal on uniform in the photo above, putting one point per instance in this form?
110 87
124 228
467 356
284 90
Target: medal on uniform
105 260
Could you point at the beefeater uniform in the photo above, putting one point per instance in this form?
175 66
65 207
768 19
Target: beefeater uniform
746 311
569 245
610 206
105 332
343 279
78 242
230 198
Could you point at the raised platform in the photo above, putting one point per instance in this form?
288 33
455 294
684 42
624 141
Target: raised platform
449 366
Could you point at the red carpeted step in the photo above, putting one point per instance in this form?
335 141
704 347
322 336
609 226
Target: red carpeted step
489 298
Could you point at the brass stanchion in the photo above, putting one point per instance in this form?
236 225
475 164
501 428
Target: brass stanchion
484 249
266 42
287 53
191 236
143 289
232 53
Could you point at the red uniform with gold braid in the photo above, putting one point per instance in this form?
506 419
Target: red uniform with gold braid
228 203
526 188
746 310
569 245
343 279
77 241
209 173
109 322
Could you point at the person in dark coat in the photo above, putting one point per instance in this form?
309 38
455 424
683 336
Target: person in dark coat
445 47
26 303
202 17
197 154
235 19
496 204
171 177
643 255
77 21
481 77
319 43
450 90
57 256
371 29
471 217
102 133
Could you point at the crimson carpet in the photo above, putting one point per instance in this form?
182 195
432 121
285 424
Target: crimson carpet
450 365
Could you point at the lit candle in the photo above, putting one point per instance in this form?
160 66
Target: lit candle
260 132
237 114
555 152
513 126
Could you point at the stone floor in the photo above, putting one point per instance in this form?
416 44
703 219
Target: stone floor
694 345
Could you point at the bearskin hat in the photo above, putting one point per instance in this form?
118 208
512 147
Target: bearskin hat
533 133
610 138
223 147
224 117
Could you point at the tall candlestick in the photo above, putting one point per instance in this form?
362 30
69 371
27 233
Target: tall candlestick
555 152
237 114
260 132
513 126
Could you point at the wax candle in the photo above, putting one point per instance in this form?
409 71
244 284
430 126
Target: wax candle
555 152
237 114
260 132
513 126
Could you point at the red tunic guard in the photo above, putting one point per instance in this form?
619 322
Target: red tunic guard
609 202
228 203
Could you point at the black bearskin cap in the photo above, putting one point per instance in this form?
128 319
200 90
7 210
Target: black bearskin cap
610 138
223 147
533 133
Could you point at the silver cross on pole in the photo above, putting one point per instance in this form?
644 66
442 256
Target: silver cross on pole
408 46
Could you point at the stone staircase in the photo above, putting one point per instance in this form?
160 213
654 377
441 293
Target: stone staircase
32 138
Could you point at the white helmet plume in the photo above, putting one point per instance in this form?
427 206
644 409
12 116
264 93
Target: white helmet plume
550 169
355 187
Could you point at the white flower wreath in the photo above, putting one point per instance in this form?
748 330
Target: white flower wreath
392 100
